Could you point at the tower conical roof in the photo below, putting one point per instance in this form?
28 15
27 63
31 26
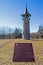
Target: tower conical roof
26 13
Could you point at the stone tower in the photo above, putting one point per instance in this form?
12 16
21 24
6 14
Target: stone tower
26 25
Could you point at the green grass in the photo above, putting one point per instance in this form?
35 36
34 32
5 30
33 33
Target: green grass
7 48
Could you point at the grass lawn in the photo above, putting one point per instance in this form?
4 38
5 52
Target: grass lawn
7 49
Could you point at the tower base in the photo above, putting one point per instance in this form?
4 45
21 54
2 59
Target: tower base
26 37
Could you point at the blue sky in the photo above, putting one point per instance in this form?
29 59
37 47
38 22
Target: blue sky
11 10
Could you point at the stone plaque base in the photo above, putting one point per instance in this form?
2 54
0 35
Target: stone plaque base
23 52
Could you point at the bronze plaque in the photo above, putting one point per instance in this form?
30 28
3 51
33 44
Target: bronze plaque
23 52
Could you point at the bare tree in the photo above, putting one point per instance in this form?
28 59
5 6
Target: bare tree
17 33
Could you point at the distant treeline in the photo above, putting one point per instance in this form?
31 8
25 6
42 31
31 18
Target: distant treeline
39 33
17 33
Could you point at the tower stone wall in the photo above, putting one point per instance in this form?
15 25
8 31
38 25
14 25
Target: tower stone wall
26 25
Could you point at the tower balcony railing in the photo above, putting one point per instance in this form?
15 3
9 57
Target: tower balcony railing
25 18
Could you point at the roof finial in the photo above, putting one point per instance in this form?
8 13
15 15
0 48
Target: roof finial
26 9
